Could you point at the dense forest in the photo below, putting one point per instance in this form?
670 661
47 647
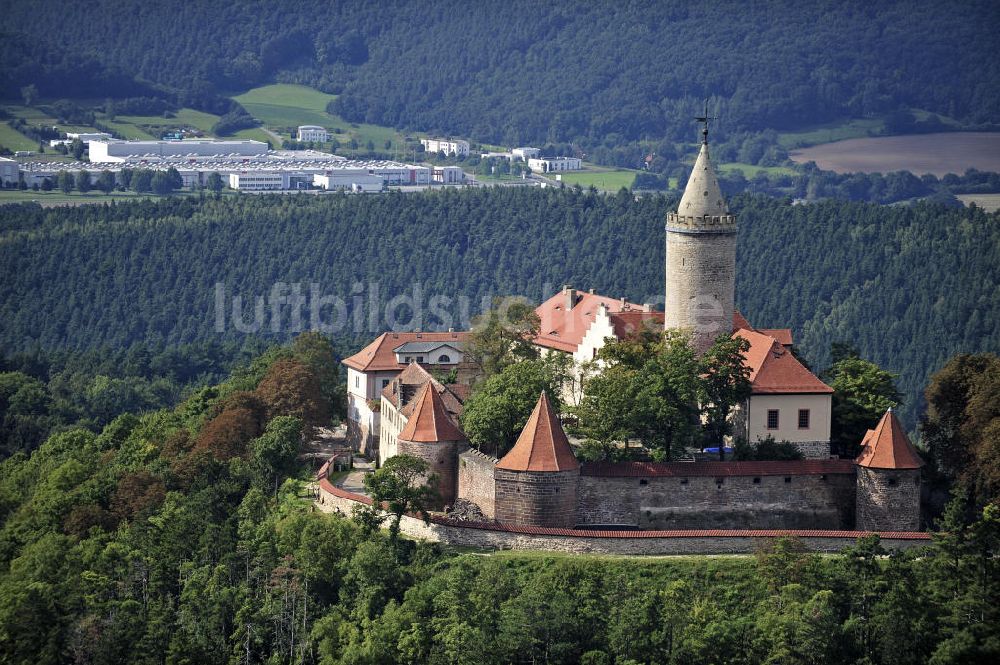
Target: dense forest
186 536
908 286
595 73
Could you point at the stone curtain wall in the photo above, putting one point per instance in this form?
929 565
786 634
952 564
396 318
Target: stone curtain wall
332 499
547 499
806 502
888 499
476 482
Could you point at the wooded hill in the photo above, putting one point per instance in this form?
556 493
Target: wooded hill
909 286
186 535
514 72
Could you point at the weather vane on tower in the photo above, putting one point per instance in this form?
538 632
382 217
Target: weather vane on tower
704 119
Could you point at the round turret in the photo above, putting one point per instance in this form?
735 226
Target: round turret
536 482
431 435
888 479
701 258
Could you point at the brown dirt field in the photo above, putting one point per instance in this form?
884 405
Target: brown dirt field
939 154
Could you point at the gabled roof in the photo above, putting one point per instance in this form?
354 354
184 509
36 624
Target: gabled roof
424 347
632 322
379 355
563 328
542 445
773 368
430 422
402 391
888 447
783 335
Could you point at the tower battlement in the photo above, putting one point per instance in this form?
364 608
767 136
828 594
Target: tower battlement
678 223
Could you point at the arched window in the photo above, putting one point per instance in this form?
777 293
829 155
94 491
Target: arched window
444 358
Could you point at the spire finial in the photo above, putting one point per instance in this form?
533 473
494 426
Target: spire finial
704 119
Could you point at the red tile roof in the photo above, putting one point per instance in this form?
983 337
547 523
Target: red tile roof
543 445
783 335
739 323
430 421
379 356
628 323
888 447
806 467
774 370
563 329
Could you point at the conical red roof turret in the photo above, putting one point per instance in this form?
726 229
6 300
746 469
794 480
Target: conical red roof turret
429 421
888 447
542 445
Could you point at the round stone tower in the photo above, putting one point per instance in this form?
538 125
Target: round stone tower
431 435
701 257
536 482
888 479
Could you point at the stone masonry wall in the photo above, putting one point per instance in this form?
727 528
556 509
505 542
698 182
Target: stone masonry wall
813 449
738 502
442 457
546 499
476 482
888 500
701 281
674 543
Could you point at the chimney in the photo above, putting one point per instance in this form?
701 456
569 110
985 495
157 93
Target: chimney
591 291
570 294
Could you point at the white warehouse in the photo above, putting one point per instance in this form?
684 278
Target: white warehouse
112 151
313 133
551 164
455 147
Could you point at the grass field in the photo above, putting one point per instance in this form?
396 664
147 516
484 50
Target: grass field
48 199
603 179
750 170
12 139
988 202
282 107
851 129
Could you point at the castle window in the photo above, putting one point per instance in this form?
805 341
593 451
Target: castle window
756 481
643 481
719 481
803 418
684 481
788 479
892 482
772 419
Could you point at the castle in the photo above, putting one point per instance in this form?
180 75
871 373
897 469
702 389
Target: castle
395 406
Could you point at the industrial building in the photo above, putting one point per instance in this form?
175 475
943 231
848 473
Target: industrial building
455 147
116 151
313 133
273 171
552 164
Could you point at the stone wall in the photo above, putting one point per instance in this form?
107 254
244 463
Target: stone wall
888 499
476 481
333 499
701 281
820 501
442 458
813 449
547 499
